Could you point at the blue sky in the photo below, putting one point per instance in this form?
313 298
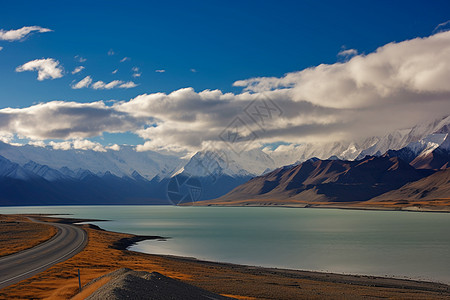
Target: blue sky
222 41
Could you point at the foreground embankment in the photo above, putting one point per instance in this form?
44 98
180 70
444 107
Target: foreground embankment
105 253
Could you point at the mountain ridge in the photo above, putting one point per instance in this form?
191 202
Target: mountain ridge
329 181
144 177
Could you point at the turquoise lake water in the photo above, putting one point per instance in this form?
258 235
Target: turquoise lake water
385 243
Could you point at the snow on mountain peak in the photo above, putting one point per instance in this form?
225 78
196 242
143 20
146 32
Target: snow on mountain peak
53 164
121 163
427 144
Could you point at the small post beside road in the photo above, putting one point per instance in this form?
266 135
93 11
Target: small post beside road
79 280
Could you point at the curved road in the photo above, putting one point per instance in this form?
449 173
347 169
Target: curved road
68 241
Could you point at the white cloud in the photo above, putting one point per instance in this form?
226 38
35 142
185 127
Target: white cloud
193 70
67 145
65 120
124 59
111 52
1 48
397 86
392 74
100 85
83 83
19 34
6 137
445 26
88 145
114 147
78 69
115 71
136 72
80 59
128 85
78 144
348 52
160 71
47 68
37 143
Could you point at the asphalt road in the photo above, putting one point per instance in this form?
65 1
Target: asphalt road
68 241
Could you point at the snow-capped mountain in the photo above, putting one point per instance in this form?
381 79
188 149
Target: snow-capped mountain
226 162
437 158
127 176
343 150
427 133
44 171
12 170
408 172
220 171
35 184
372 146
419 148
150 164
121 163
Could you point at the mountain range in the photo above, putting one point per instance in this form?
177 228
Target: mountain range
35 175
416 175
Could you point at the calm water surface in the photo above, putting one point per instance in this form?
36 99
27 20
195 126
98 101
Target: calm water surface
386 243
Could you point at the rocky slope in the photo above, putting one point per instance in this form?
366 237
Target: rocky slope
128 284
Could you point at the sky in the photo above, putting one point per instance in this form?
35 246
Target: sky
179 75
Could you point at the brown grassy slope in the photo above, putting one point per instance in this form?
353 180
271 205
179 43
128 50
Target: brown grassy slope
18 233
60 281
327 181
431 193
431 188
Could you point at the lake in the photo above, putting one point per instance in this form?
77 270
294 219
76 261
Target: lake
385 243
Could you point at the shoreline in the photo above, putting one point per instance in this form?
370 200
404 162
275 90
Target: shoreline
353 279
104 253
444 209
329 206
310 274
124 243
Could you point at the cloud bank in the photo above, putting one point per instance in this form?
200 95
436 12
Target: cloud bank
397 86
65 120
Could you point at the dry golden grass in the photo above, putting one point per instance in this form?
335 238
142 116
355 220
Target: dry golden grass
60 281
239 297
18 233
86 292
